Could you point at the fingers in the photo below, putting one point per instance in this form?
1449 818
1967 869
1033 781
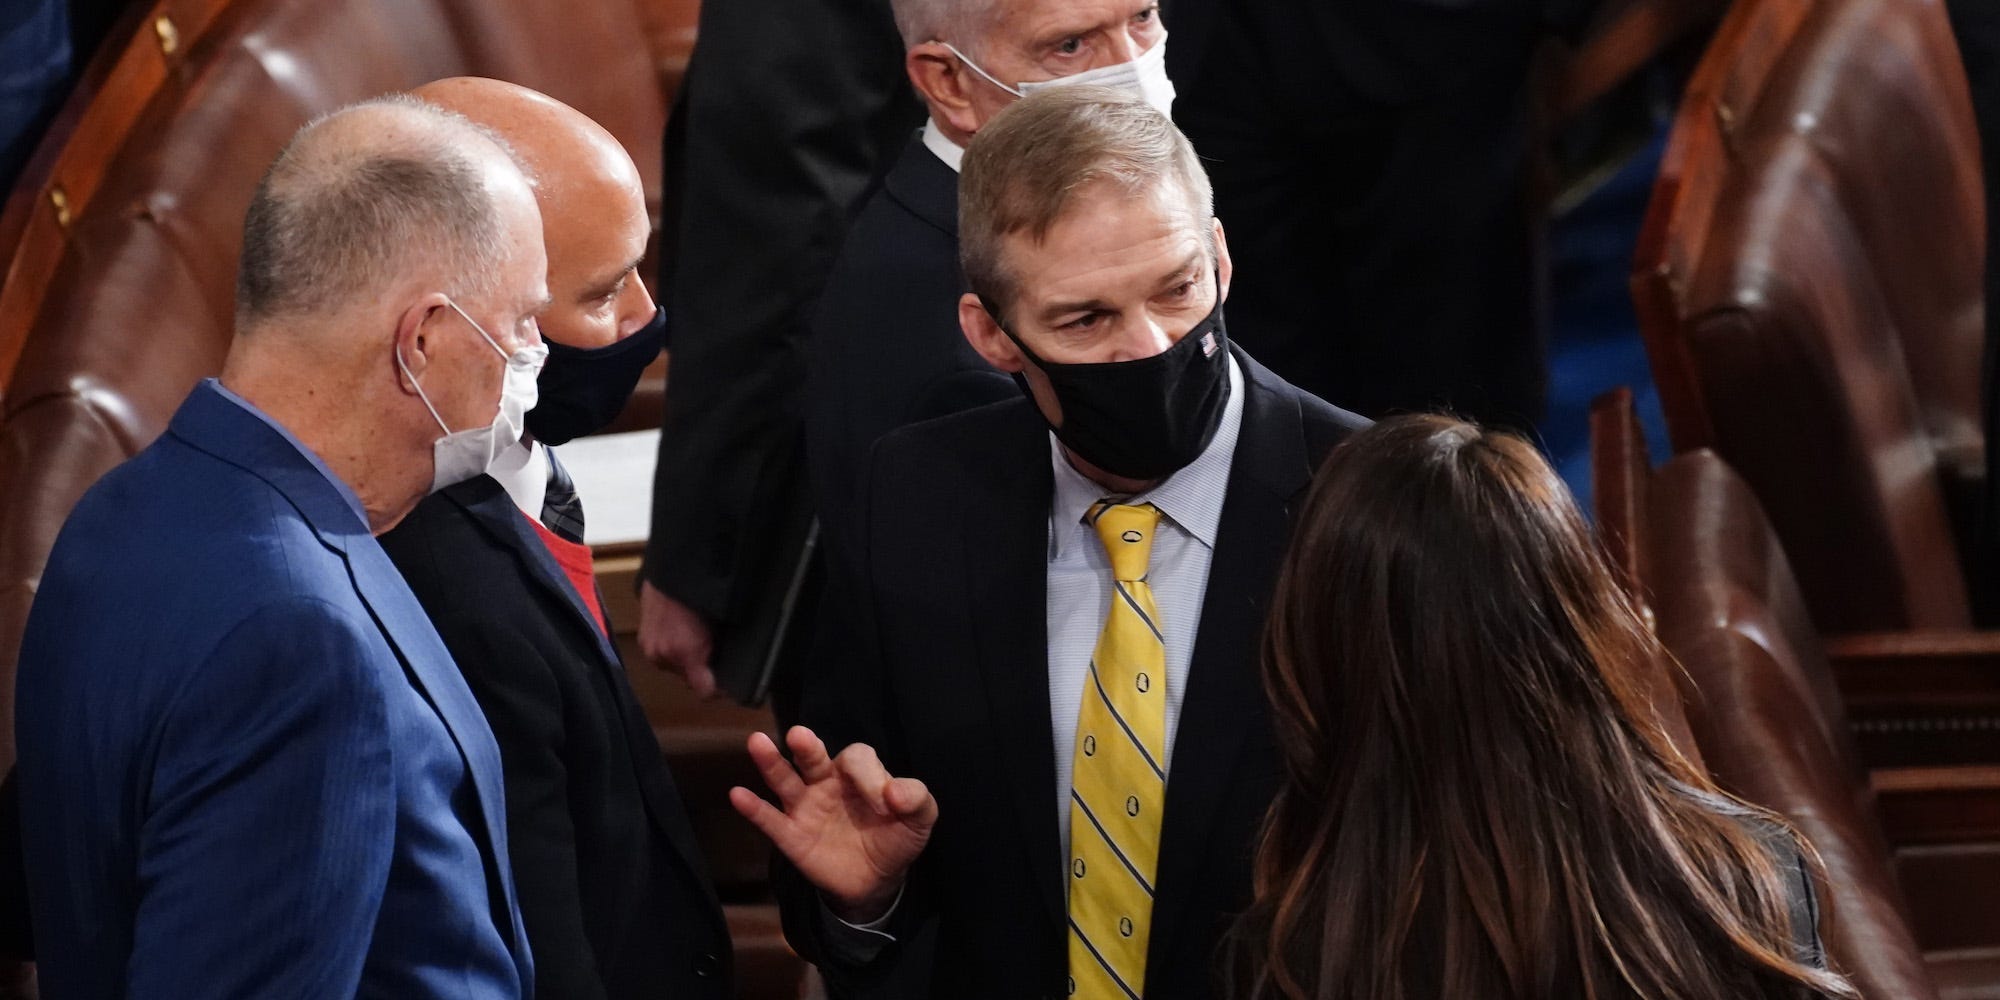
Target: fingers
911 801
863 771
809 755
773 824
700 679
778 774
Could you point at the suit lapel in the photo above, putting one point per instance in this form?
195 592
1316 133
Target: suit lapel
489 506
493 510
436 676
1007 573
1225 696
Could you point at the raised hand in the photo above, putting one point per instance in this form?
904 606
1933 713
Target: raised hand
848 825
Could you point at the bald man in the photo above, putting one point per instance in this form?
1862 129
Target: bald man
613 889
248 767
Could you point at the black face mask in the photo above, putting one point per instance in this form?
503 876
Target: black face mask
583 389
1143 419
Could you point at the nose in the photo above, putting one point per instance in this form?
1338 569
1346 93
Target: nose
1143 340
635 308
1126 47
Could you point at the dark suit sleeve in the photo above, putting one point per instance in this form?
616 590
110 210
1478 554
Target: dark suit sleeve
788 108
271 815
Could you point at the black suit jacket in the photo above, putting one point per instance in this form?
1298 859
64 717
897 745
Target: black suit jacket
613 890
886 346
1369 159
946 675
789 111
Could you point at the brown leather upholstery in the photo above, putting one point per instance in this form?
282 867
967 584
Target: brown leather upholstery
1877 89
1696 167
1621 485
1762 704
1809 288
1801 372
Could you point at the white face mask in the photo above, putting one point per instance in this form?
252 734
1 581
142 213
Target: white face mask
1144 77
462 455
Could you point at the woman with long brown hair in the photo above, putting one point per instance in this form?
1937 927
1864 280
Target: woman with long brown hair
1480 801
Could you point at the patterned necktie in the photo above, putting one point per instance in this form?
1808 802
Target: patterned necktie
1119 791
562 512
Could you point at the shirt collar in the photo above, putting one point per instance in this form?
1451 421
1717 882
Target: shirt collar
945 149
339 485
1192 497
523 471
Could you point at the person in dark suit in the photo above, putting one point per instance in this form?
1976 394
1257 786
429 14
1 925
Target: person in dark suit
613 887
885 348
789 109
1372 157
1053 751
247 764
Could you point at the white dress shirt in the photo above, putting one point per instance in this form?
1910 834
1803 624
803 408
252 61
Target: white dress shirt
934 140
523 471
1080 584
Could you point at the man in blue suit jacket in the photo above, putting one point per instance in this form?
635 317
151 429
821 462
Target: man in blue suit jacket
248 766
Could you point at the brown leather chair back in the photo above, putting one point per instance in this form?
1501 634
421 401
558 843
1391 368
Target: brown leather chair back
1796 308
1802 376
128 300
1621 482
1762 705
1877 89
1697 165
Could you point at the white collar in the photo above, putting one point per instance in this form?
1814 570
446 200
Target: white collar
1192 497
523 471
939 144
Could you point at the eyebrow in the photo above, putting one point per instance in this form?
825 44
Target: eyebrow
1056 309
600 289
1193 261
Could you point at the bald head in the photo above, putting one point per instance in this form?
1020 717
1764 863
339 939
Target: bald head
593 205
374 194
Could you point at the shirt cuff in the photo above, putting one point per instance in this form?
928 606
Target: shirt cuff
859 944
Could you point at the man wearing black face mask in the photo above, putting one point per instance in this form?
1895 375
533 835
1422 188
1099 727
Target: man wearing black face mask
614 893
1038 760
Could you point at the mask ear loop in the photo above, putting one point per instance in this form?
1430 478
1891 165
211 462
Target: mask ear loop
419 386
967 60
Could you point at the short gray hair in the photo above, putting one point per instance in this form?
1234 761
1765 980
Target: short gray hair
344 210
954 21
1023 169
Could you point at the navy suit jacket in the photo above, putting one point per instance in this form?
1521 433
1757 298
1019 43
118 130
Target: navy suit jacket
886 347
248 767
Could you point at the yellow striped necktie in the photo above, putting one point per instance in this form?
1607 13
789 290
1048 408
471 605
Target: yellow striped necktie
1120 778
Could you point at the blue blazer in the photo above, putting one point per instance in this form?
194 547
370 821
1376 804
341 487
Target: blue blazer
248 766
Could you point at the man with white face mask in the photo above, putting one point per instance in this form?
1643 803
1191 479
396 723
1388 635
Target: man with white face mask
886 347
248 764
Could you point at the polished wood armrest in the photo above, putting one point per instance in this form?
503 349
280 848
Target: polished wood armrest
1930 667
1921 698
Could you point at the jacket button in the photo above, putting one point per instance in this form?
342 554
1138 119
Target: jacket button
708 966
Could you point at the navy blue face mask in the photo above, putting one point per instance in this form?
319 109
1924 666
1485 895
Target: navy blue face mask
583 389
1142 419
